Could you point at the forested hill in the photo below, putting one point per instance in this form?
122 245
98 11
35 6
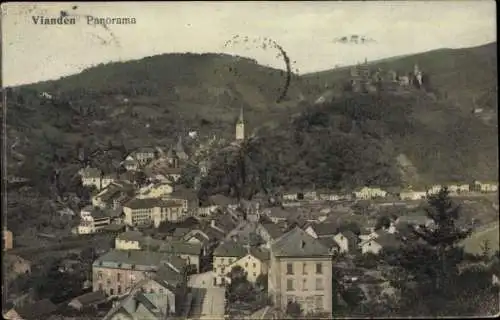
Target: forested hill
351 140
378 140
457 74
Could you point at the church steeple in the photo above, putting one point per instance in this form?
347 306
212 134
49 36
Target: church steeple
240 118
240 127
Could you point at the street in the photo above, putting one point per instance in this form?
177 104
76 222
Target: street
208 300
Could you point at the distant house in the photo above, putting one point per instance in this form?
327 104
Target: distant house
41 309
434 189
129 240
412 195
290 196
221 201
330 196
225 255
150 299
152 211
143 155
416 220
300 270
118 271
190 252
131 164
277 214
91 177
346 240
114 195
91 299
254 263
269 232
367 193
322 230
384 241
7 239
331 244
93 220
155 190
485 186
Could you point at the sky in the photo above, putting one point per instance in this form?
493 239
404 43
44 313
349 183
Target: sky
305 30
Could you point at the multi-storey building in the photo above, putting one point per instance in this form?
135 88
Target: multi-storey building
301 271
152 211
92 220
118 271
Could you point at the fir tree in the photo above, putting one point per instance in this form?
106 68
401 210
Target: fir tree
444 235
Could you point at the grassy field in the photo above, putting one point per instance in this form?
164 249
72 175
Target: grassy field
474 243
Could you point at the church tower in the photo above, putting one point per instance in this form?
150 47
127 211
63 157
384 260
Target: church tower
240 127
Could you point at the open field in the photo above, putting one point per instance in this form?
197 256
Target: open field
473 244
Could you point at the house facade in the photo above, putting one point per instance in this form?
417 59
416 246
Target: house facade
300 271
224 256
152 211
367 193
92 220
412 195
129 240
156 190
118 271
7 240
255 263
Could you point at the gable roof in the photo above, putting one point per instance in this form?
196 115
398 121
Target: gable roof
260 253
351 236
279 213
180 247
137 259
90 298
131 236
298 243
325 229
151 203
273 230
329 243
230 249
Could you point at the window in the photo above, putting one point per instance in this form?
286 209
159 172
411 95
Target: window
100 286
254 274
304 268
222 260
215 270
318 303
319 268
223 280
161 290
119 290
254 265
246 264
151 290
319 284
111 292
289 285
119 277
99 275
304 284
289 268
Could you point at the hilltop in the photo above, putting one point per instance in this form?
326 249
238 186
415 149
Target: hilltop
457 74
152 101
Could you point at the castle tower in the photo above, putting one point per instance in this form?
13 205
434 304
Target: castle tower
240 127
